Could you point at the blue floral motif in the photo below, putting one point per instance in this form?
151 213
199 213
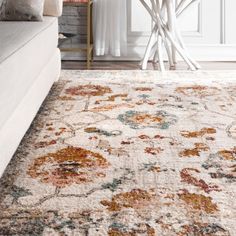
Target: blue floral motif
141 120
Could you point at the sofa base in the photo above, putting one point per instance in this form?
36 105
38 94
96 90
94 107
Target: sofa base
16 126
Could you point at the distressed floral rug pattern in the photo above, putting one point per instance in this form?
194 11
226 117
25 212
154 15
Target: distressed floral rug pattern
126 154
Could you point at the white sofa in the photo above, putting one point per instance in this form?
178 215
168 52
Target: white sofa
29 64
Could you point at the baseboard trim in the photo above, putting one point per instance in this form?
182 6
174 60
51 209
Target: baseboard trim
205 52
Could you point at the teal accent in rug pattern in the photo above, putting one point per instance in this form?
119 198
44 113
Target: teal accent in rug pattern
111 154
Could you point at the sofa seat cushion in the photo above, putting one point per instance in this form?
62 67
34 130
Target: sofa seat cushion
25 49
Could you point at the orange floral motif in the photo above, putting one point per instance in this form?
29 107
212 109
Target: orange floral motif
111 107
146 118
199 147
228 154
145 102
43 144
143 89
203 229
156 169
233 168
113 98
116 151
67 166
187 177
88 90
153 151
66 98
126 142
142 229
102 132
198 202
62 130
196 134
144 136
198 90
158 137
221 165
137 198
57 131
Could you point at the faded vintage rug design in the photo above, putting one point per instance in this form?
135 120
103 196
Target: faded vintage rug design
127 154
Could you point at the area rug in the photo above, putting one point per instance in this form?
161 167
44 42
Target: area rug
127 154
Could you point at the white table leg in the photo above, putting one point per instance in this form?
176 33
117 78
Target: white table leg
165 32
151 42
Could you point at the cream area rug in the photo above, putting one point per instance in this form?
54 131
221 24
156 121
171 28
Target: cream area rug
127 153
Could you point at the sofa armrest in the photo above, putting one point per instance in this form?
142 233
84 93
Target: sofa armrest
53 8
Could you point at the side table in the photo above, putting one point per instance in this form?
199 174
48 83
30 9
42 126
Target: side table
80 47
166 33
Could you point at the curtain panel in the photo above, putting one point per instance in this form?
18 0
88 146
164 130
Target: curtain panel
110 27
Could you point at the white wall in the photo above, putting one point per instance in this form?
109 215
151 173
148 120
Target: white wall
209 29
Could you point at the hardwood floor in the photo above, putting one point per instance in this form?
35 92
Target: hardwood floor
134 65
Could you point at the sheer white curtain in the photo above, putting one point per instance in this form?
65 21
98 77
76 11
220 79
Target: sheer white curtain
110 27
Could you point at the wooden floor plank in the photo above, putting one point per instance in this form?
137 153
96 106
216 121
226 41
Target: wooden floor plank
134 65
